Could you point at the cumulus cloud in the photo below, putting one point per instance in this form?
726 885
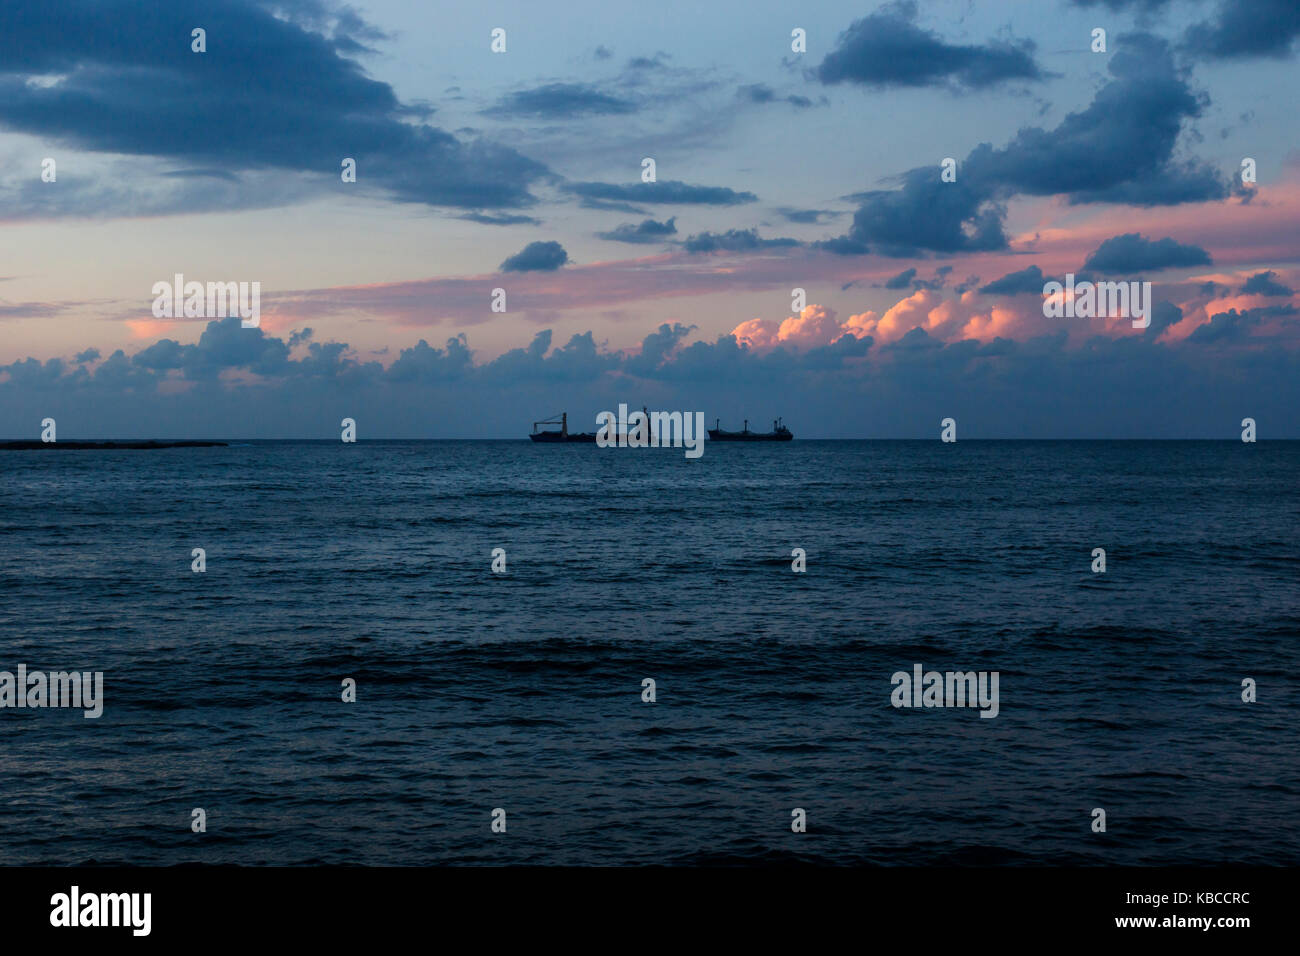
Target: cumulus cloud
1265 283
1087 158
815 325
1234 326
890 375
1132 253
888 49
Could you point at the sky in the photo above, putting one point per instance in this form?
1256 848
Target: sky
778 166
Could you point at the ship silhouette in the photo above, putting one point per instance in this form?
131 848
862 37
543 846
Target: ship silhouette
778 433
563 435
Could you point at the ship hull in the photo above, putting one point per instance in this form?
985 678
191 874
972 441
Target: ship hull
718 435
559 438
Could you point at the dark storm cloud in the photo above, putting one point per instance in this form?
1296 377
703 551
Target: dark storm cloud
647 231
1265 283
537 257
269 93
734 240
561 101
1132 253
1090 157
666 191
1026 280
887 49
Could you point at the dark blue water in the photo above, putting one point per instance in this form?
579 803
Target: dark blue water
523 690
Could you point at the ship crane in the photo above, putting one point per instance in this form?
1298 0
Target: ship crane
562 421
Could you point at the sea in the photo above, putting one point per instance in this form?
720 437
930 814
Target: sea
502 716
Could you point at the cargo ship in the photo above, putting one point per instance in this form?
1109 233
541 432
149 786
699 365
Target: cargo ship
563 435
778 433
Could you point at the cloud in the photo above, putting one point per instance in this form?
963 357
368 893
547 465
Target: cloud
1014 283
1264 283
561 101
734 240
647 231
902 280
1234 326
1238 30
1131 253
32 310
1117 5
912 370
814 326
843 246
808 216
537 257
1163 315
666 191
926 214
223 345
503 219
648 62
1088 158
760 93
293 100
888 49
424 363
